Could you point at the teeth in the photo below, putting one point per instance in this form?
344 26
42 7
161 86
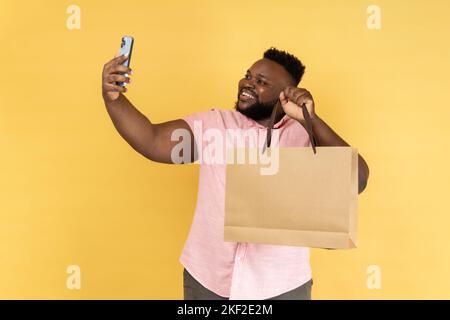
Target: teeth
247 94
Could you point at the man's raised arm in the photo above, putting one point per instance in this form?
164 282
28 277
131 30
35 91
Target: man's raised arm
153 141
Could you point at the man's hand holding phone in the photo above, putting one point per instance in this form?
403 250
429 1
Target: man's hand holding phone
114 72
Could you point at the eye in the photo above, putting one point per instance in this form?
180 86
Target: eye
247 76
259 81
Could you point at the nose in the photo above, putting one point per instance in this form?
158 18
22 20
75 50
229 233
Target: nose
248 84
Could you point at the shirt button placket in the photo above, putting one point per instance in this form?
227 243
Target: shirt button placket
237 273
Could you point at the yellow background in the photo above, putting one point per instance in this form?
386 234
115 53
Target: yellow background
73 192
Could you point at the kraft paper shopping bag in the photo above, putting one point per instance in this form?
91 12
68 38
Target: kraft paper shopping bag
309 200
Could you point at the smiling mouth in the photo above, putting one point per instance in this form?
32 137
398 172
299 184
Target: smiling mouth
247 95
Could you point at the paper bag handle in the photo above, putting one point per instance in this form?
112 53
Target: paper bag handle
308 126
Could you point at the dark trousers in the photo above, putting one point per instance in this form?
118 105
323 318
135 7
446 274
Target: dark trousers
193 290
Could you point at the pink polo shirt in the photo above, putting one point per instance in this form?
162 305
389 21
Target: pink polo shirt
238 270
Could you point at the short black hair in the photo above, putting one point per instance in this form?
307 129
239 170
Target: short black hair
290 62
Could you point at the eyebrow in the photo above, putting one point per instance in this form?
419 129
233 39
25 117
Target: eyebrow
259 74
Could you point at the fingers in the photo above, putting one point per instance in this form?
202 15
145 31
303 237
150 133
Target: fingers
291 91
283 98
113 78
288 91
296 95
119 59
113 73
115 61
110 87
119 69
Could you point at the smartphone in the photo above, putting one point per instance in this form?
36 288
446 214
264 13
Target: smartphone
126 47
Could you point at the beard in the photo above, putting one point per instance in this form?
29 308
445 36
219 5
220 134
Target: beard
258 110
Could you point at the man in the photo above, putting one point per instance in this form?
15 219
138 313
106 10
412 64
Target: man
215 269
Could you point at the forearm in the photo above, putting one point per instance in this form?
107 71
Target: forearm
326 136
131 124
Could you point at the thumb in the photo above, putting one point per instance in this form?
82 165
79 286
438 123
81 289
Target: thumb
283 98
